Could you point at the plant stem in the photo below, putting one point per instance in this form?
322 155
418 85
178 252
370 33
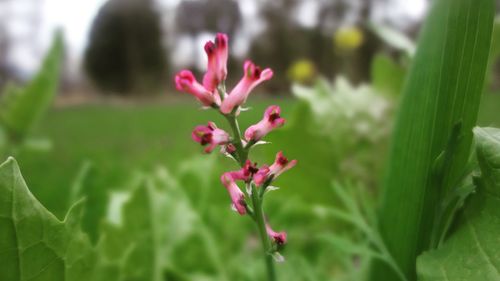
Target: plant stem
257 198
266 245
240 150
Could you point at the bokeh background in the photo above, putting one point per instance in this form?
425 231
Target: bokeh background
116 118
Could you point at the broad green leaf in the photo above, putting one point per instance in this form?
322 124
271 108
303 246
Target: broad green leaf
443 88
472 252
144 225
20 108
34 244
136 237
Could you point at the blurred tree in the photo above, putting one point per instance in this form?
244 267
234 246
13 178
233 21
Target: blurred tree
125 54
284 42
4 47
194 17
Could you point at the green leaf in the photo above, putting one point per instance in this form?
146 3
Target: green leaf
20 108
443 88
472 252
34 244
136 236
494 51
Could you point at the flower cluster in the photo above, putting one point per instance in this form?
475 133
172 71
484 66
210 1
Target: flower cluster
211 93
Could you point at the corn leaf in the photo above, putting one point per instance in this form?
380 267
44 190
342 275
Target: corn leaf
472 252
442 90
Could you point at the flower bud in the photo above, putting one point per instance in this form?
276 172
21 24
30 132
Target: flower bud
271 120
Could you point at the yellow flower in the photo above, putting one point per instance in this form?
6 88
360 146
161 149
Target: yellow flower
348 38
301 71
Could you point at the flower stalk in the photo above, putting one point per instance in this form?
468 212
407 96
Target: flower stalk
212 94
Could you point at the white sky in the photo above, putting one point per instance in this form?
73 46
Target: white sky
75 17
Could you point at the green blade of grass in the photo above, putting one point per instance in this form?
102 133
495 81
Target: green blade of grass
443 89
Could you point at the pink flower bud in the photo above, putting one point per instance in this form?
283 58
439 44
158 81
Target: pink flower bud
210 80
210 135
261 176
186 82
222 44
245 173
280 165
237 196
230 148
271 120
217 54
252 77
278 237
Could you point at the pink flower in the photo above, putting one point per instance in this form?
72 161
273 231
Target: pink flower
261 176
237 196
210 135
186 82
252 77
217 54
278 237
245 173
280 165
271 120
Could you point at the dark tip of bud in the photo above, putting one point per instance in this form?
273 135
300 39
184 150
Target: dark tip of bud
206 139
209 47
282 160
273 117
257 71
220 40
253 169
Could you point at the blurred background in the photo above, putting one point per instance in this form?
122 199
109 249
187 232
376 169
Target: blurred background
114 117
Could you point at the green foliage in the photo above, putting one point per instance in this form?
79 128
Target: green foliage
472 250
34 245
21 108
494 51
334 111
443 88
135 236
387 76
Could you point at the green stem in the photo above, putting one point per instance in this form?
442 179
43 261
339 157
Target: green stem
257 198
261 226
240 150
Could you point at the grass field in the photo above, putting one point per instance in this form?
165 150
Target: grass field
117 139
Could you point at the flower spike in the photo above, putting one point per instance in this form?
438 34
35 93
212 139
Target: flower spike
212 93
